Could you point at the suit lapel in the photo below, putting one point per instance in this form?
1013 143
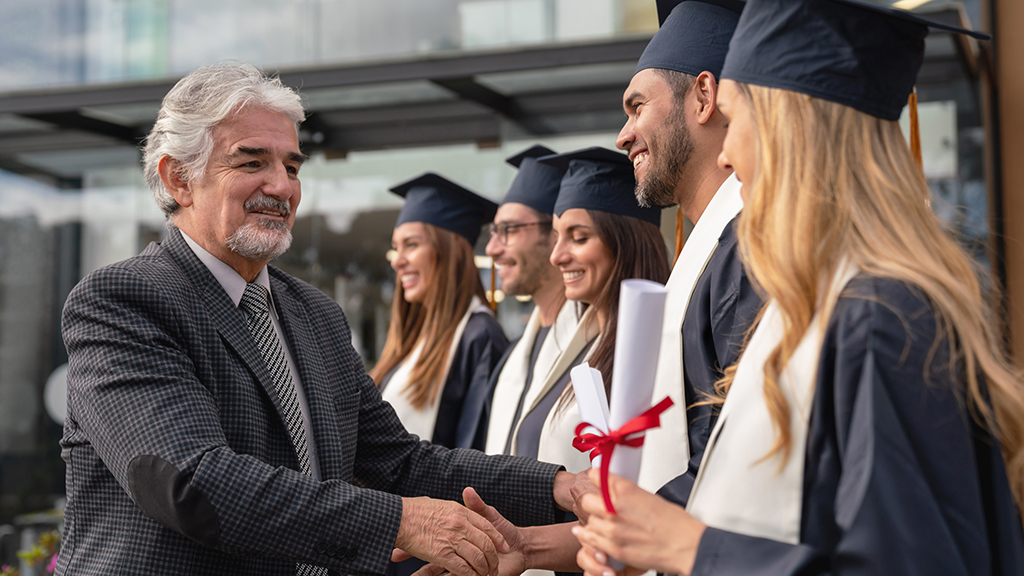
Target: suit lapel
310 364
228 319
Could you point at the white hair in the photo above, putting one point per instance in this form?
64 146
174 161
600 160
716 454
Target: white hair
197 103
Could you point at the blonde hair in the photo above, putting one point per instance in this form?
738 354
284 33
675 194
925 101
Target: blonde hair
832 183
450 289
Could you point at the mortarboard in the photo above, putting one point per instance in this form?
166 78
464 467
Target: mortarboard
861 55
436 200
599 179
694 36
536 185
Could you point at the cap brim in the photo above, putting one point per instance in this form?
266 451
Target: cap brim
911 17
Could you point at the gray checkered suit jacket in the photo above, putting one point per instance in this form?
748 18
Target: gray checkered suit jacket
178 461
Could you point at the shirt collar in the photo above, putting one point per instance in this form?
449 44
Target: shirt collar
229 279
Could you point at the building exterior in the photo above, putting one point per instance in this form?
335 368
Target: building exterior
394 88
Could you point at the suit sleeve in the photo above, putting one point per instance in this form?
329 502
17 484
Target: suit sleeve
892 485
135 398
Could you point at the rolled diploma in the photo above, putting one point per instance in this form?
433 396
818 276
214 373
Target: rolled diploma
637 343
588 385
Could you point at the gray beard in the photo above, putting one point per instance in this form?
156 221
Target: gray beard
261 241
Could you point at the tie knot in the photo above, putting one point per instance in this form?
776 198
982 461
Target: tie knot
254 299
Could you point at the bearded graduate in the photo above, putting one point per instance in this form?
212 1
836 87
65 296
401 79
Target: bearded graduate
873 425
520 243
443 340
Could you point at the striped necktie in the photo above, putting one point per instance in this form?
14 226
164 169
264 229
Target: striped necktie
255 303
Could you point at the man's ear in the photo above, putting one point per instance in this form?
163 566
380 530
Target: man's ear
706 90
173 179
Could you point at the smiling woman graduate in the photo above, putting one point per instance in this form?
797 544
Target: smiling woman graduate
443 341
873 425
603 238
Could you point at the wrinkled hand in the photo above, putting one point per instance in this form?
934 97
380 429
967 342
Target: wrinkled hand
581 486
510 563
449 535
647 533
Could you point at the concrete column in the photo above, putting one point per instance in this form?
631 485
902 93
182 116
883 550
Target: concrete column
1007 17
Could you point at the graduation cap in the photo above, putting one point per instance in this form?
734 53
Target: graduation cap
847 51
599 179
536 185
436 200
694 36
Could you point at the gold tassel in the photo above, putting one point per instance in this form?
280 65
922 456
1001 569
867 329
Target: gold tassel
679 234
915 130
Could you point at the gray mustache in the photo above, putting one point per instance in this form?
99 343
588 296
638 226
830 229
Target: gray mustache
263 201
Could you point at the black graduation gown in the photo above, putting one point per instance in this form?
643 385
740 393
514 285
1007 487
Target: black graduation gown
465 390
898 478
722 308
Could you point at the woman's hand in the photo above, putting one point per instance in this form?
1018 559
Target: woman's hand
648 533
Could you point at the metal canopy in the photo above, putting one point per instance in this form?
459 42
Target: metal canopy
480 97
371 105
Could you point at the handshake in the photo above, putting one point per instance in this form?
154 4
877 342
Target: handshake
478 540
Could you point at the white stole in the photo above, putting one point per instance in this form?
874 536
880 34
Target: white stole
586 330
421 421
671 437
737 488
509 387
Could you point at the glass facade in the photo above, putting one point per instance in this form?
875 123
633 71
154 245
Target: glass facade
49 43
55 233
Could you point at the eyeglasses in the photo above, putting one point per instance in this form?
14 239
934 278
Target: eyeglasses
502 230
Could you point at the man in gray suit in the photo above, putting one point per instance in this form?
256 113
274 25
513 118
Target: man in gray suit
219 420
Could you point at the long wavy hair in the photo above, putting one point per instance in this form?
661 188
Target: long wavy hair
832 183
638 251
451 286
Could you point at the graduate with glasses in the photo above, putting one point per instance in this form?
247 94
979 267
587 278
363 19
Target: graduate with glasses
873 424
520 244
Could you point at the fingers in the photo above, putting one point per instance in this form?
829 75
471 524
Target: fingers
593 562
475 503
592 504
596 538
398 555
484 524
580 487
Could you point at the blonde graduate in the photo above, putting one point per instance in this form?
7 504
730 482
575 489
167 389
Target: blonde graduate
825 186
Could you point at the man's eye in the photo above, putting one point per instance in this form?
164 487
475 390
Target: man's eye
294 170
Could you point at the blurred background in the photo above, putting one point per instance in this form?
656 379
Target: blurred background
393 88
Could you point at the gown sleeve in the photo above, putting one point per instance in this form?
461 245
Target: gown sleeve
898 479
465 390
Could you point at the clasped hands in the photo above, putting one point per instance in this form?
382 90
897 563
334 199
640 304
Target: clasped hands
466 541
647 533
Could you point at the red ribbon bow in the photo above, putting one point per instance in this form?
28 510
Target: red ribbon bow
630 434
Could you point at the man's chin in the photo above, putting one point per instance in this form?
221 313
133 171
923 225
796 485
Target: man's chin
260 245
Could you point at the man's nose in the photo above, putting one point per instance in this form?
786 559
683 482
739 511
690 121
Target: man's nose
494 247
626 136
279 182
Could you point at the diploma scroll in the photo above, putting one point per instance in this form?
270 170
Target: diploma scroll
637 343
588 385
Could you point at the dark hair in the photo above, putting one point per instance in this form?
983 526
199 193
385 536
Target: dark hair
638 251
679 82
